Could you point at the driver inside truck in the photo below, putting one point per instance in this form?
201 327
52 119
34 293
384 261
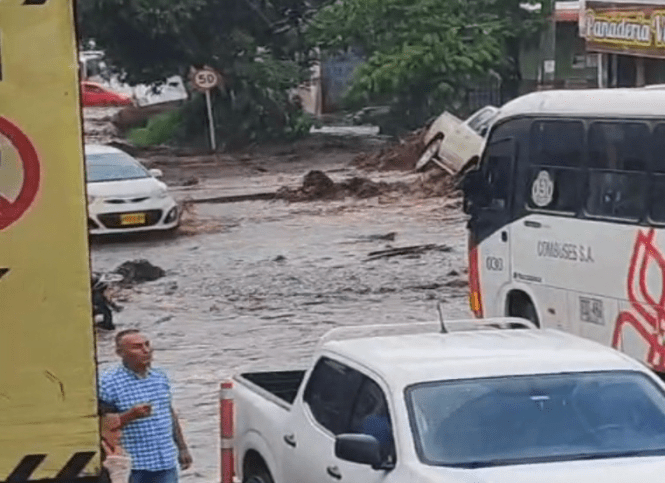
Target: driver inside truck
371 417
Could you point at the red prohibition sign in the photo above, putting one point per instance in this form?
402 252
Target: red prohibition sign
12 211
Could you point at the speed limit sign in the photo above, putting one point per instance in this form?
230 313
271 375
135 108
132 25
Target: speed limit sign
206 79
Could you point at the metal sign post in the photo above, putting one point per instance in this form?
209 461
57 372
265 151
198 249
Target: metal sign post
204 80
211 122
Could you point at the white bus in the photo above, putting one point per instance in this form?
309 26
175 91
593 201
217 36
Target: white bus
567 217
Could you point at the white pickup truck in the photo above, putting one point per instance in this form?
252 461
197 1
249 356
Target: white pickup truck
467 406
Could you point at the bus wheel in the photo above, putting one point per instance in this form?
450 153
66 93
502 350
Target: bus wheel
520 305
529 313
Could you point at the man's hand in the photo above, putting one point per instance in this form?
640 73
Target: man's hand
137 412
184 458
141 410
112 450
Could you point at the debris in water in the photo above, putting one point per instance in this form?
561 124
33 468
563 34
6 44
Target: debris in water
318 186
363 187
403 155
457 283
139 271
171 288
412 250
427 286
387 237
161 320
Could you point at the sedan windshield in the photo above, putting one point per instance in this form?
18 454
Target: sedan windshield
113 167
529 419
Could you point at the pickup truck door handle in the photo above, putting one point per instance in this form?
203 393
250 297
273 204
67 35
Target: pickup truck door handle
334 472
290 439
532 224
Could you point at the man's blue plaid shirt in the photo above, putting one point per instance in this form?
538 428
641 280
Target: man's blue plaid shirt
149 441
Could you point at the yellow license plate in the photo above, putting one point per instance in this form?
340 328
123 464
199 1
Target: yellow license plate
132 219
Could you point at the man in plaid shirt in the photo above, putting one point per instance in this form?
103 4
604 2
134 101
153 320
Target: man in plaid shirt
151 431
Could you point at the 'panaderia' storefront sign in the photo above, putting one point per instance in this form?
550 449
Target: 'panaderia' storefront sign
625 28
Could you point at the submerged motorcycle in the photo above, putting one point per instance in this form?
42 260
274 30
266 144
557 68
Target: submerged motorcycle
102 306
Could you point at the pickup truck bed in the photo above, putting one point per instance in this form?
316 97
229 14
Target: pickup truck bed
283 384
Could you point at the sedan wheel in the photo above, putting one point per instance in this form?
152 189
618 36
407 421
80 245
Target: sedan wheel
430 153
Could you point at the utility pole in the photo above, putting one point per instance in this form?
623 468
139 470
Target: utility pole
549 46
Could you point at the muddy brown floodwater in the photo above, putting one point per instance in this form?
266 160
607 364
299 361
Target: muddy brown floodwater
256 283
271 281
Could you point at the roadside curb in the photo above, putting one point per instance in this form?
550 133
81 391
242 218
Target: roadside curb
235 198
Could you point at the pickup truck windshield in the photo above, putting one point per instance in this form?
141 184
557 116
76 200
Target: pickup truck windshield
475 423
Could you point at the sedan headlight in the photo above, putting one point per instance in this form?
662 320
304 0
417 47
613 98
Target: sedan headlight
162 194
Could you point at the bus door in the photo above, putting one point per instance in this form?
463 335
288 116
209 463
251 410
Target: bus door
488 201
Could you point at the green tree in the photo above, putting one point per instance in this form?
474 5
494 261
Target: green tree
422 55
257 45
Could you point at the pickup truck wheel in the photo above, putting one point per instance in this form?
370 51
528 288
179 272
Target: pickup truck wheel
259 477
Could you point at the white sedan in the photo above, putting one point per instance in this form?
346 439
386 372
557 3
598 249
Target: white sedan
123 196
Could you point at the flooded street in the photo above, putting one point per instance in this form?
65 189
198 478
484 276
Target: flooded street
269 278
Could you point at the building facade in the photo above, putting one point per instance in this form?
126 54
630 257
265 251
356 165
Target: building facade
598 44
629 39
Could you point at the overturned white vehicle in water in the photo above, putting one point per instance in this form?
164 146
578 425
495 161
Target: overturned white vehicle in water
450 142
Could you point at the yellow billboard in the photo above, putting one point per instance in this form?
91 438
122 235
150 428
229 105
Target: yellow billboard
48 405
626 28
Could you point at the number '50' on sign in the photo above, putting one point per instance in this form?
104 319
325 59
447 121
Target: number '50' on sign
206 79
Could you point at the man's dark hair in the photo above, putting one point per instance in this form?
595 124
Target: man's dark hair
122 333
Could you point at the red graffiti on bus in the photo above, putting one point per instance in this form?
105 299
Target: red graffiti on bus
647 313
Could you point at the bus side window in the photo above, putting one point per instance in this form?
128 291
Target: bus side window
497 170
556 151
657 192
618 161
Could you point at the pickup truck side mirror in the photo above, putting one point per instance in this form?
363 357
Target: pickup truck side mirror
359 448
